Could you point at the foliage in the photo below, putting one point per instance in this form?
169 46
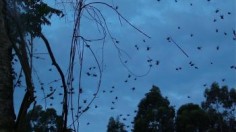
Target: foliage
39 120
220 105
29 16
24 20
216 115
115 125
191 118
154 113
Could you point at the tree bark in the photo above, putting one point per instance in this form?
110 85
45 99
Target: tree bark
7 115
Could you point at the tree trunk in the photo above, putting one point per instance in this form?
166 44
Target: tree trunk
7 115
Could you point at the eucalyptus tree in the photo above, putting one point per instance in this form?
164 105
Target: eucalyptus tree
155 114
82 49
19 19
6 89
114 125
191 118
220 104
21 22
40 120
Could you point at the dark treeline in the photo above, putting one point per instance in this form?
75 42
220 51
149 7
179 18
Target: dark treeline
155 114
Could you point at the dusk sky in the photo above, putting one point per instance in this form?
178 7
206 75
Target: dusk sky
203 29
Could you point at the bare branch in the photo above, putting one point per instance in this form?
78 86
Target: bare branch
114 9
65 110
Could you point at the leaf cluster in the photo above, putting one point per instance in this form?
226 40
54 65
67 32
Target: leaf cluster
217 112
191 117
115 125
40 120
155 113
216 97
31 15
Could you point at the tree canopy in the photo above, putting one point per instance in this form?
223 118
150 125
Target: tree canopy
217 112
220 104
114 125
191 118
154 113
40 120
22 21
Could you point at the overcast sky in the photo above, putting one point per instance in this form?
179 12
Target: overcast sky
209 46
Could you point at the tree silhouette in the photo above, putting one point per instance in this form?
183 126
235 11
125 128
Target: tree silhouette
21 22
191 118
220 104
154 113
18 20
114 125
39 120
